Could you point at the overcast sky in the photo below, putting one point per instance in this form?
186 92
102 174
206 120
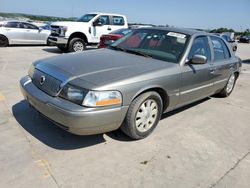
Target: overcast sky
205 14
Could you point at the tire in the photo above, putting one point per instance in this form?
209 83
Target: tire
143 115
4 41
63 49
77 45
227 90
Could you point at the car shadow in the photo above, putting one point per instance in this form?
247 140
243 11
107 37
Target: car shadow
246 61
181 109
48 133
55 137
55 50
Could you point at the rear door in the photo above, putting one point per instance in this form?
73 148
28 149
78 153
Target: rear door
222 62
117 22
14 32
196 78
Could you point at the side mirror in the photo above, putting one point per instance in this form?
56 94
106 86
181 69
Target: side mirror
40 29
97 23
198 59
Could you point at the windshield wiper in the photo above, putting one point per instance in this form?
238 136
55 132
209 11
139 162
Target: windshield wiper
139 53
130 51
118 48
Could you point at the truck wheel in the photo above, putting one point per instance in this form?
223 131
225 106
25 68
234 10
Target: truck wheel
227 90
3 41
143 115
77 45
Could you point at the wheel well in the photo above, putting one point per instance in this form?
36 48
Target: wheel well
78 35
5 37
163 94
237 74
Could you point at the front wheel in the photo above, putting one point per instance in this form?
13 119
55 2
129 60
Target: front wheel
3 41
77 45
143 115
227 90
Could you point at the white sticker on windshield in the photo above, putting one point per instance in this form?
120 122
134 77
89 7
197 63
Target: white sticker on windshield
177 35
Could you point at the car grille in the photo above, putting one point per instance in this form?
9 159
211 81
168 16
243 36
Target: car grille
55 31
46 83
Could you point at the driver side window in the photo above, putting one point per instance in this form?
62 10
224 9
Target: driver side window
104 20
200 47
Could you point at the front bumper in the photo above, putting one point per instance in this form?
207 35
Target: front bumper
72 117
60 41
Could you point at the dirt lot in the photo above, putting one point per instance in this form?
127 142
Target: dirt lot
206 144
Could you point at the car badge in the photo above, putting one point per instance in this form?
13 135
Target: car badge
42 80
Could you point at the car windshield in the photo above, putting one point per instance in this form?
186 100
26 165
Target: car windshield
86 17
158 44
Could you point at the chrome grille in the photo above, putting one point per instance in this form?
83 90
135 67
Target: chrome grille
55 31
46 83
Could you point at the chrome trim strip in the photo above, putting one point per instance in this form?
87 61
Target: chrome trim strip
194 89
220 81
201 87
25 83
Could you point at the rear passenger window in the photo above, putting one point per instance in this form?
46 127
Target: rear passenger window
200 47
220 49
12 25
117 20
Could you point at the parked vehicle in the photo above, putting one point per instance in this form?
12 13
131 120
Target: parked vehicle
74 36
17 32
232 42
132 82
245 39
110 38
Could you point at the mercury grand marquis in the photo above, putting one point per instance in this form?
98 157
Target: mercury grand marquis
130 84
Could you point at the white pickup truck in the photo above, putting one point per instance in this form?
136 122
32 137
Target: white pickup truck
87 30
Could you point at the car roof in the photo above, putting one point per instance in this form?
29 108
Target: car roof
177 30
112 14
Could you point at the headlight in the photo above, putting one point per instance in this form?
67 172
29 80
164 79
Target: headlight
102 98
31 70
63 30
73 94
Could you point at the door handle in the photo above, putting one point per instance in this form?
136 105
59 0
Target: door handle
212 70
231 66
109 28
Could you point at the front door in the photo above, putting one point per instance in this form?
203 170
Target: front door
196 78
103 28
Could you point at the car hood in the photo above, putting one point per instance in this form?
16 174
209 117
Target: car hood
68 23
98 67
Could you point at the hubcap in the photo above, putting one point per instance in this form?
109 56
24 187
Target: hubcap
230 83
78 46
146 115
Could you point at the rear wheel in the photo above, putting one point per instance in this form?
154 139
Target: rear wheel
143 115
227 90
3 41
77 45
